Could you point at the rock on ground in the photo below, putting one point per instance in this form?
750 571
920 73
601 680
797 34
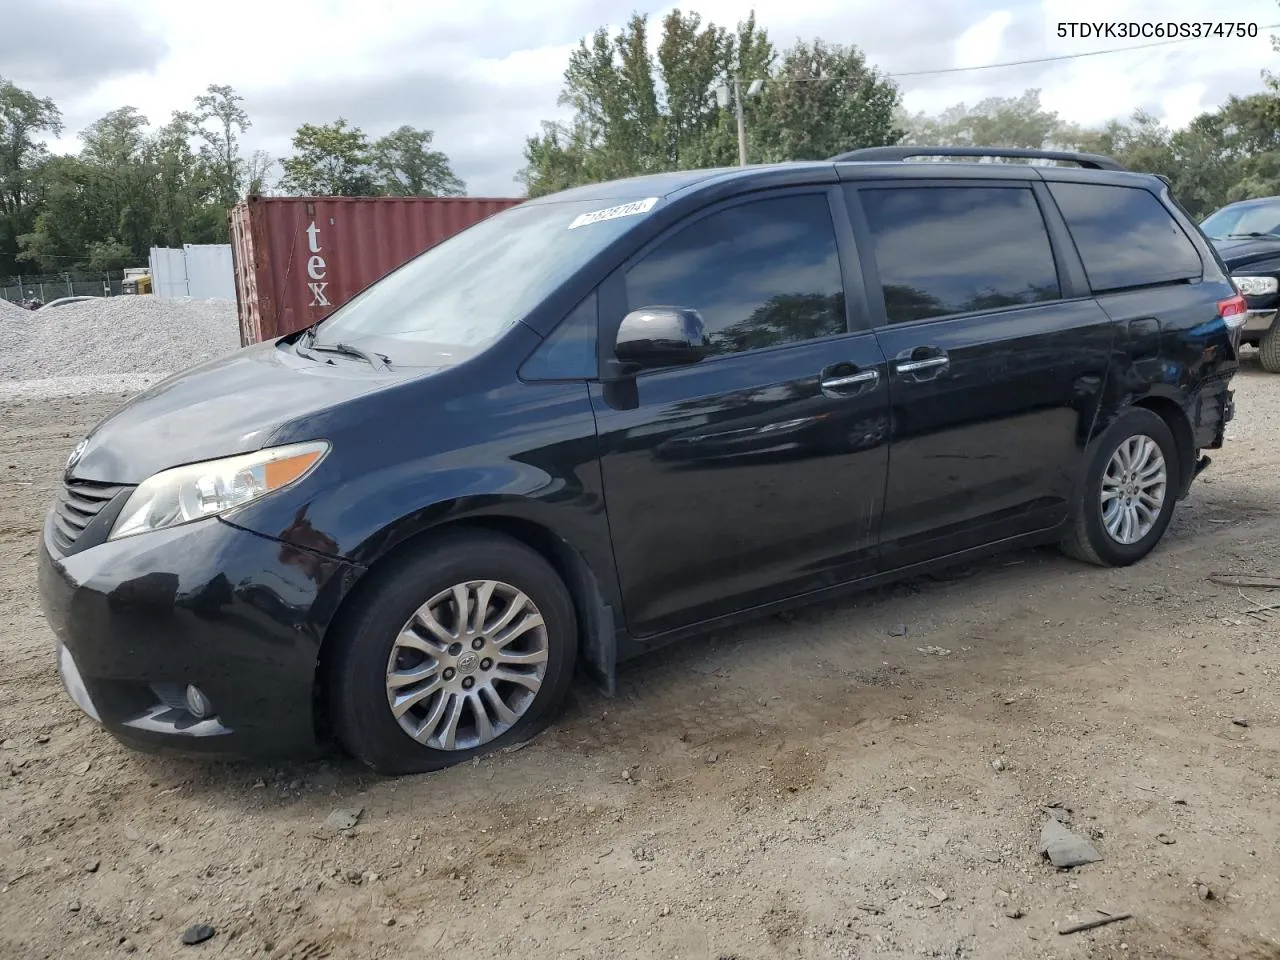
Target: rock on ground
1064 848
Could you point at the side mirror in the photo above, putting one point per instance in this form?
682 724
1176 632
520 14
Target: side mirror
661 337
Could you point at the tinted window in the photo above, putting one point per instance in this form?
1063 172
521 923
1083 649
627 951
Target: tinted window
761 274
569 353
1125 236
944 250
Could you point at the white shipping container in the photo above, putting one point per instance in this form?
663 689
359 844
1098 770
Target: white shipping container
198 271
168 272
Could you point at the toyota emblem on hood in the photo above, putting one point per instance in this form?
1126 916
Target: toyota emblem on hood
75 456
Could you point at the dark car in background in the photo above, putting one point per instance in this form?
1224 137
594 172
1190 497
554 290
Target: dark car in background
1247 237
611 418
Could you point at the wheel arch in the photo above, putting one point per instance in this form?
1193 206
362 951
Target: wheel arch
597 624
1165 401
1179 424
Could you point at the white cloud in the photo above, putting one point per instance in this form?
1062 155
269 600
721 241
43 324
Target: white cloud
981 43
484 73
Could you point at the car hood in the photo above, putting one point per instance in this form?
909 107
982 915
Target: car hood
1246 250
226 406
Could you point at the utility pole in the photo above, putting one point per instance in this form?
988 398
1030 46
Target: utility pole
742 122
722 94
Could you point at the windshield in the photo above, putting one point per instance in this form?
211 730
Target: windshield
461 295
1258 217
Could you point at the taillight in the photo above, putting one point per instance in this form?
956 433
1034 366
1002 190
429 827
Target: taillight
1233 311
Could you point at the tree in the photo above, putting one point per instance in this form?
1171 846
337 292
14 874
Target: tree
23 117
220 104
108 254
1142 144
634 113
994 122
1251 126
405 166
610 85
1272 80
116 139
123 199
691 59
258 175
182 185
1226 154
825 100
108 191
701 134
1204 171
1232 153
329 160
553 159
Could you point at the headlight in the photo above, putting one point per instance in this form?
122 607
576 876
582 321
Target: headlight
207 489
1256 286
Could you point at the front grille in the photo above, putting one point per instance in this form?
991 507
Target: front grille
79 501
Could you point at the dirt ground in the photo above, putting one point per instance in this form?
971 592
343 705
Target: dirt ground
813 786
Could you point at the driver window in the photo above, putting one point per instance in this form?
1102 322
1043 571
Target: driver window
762 274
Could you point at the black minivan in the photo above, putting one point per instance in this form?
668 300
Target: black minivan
610 418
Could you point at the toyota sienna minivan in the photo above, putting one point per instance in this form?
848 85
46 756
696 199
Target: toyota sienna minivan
615 417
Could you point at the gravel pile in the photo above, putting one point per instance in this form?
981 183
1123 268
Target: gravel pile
10 309
108 345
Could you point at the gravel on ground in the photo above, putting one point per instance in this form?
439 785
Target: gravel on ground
867 778
143 337
10 309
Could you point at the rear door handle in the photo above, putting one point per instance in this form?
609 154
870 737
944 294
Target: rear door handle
851 380
911 366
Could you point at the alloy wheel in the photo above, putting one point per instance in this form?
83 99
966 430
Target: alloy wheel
1134 486
467 665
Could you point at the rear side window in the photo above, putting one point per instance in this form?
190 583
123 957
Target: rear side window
948 250
761 274
1125 236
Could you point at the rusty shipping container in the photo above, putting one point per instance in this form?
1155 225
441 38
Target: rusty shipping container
297 259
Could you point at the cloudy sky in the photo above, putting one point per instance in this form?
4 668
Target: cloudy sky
483 73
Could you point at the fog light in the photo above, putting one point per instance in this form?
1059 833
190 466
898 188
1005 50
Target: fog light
197 703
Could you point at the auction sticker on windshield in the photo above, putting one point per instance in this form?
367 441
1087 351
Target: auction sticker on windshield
632 209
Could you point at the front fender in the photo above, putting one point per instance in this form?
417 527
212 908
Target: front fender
526 452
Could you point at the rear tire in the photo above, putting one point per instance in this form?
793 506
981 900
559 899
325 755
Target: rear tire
1123 523
409 680
1269 348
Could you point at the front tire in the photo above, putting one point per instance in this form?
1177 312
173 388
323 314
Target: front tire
455 650
1126 501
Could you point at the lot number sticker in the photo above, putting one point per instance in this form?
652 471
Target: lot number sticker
633 209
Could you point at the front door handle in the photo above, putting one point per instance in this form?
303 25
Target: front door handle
851 380
913 366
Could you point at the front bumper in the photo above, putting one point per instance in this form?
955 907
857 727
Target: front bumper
236 614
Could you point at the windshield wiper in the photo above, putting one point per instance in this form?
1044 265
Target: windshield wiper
375 360
1255 233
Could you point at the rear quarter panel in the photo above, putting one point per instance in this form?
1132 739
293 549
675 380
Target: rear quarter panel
1171 341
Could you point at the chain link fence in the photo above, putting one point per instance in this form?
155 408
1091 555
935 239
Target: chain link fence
51 286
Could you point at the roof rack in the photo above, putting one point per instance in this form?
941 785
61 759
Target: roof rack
1091 161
